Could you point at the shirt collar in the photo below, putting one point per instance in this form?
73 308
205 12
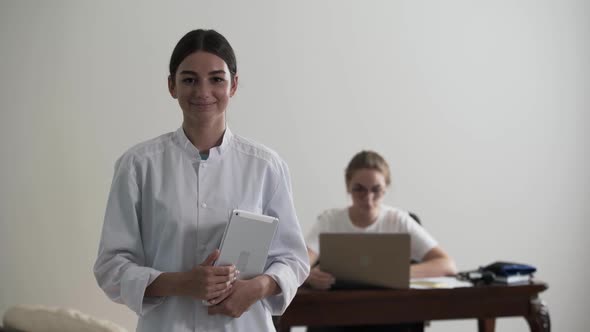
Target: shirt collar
192 150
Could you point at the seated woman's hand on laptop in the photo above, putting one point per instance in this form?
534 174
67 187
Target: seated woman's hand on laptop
319 279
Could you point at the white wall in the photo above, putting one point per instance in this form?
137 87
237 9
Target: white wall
482 109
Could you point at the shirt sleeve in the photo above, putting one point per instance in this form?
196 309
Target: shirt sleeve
421 241
288 263
313 237
120 266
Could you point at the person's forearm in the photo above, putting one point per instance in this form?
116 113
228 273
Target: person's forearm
166 284
436 267
313 257
268 286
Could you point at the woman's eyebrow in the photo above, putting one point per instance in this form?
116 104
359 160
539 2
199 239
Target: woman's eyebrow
213 72
188 72
217 72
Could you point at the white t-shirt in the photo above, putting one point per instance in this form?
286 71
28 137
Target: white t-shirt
390 220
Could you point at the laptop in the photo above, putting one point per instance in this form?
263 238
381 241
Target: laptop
366 260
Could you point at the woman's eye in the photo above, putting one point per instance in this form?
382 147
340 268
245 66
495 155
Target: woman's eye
359 189
188 81
377 189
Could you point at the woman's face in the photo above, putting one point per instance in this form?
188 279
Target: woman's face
367 188
203 86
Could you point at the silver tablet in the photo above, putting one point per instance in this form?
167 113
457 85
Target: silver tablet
246 242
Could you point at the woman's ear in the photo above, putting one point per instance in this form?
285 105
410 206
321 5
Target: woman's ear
171 86
234 86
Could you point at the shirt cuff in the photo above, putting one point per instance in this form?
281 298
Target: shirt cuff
133 285
288 283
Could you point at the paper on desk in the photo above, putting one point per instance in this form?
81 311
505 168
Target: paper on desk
438 282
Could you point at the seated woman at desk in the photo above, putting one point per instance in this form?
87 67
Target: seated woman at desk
367 178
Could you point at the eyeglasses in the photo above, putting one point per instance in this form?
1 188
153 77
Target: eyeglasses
361 190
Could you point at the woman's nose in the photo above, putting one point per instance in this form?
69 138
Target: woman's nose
368 196
201 91
371 196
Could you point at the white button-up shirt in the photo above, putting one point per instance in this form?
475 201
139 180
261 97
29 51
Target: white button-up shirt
167 211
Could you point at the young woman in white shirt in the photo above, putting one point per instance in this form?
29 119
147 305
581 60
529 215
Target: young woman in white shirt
367 179
171 198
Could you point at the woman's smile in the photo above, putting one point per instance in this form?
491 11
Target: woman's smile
202 104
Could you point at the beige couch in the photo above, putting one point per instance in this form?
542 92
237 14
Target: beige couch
28 318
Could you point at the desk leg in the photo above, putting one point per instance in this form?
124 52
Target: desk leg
539 320
283 327
486 324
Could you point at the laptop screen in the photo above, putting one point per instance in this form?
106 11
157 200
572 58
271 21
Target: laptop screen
367 259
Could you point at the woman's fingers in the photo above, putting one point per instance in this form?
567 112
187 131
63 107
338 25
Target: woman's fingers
220 278
321 284
224 270
218 290
321 280
211 258
218 274
318 274
223 280
217 285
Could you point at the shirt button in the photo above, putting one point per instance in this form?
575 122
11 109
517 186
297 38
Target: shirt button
203 205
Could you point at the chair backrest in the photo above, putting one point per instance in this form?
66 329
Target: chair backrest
415 217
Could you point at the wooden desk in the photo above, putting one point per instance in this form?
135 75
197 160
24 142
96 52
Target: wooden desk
366 307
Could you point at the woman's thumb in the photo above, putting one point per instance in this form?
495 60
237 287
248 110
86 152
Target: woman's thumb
211 258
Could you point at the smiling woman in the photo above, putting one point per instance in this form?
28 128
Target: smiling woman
171 198
203 87
203 77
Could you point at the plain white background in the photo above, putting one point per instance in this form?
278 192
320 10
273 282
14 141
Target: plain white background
481 108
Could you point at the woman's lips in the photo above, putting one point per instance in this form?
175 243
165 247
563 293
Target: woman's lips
203 104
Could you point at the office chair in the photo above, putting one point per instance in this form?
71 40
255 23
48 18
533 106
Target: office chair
415 217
